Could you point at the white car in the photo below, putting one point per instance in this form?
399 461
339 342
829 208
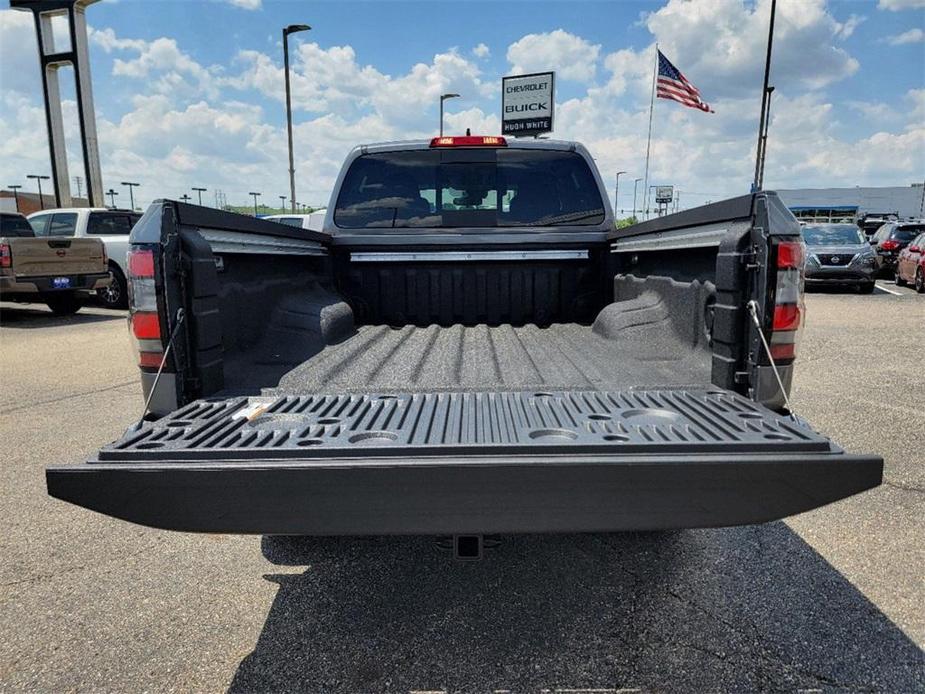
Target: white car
313 220
112 227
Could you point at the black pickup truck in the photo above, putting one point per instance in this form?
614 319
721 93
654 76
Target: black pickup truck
467 346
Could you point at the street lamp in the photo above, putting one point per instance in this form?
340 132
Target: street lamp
635 183
256 195
185 197
616 193
291 29
112 198
38 180
15 195
282 199
444 97
200 191
131 197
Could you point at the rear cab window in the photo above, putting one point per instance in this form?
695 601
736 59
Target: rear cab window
61 224
452 188
14 225
289 221
110 224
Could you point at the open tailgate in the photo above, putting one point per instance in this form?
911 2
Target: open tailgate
466 463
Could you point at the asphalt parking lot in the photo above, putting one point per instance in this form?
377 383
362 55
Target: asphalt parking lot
827 601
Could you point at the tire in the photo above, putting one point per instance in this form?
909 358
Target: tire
920 281
866 288
66 304
116 294
897 280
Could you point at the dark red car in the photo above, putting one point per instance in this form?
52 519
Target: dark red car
910 264
890 240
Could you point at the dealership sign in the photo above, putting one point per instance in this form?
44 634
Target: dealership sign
664 193
527 104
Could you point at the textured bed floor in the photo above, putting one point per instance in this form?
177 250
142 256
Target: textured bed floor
564 356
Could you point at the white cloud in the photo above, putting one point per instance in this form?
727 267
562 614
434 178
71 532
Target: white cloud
481 51
246 4
844 30
572 57
912 36
897 5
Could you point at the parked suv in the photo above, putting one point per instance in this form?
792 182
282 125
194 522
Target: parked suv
890 239
910 265
112 227
838 254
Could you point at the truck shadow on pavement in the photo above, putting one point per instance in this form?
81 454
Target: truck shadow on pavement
746 609
37 317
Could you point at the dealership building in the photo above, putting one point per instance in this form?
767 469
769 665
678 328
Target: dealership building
832 204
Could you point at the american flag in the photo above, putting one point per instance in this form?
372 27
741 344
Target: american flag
673 85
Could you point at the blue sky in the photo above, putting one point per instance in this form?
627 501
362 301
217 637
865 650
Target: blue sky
189 93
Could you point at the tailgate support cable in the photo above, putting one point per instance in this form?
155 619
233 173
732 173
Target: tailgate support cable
160 368
753 310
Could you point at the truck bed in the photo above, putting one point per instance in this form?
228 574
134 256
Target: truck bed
435 358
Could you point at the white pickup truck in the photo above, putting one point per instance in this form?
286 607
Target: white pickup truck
112 227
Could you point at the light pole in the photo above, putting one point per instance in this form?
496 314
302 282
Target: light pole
291 29
635 183
38 180
282 199
444 97
112 198
616 193
15 195
256 195
185 197
200 191
131 197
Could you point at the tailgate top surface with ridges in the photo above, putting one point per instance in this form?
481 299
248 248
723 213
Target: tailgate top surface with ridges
406 425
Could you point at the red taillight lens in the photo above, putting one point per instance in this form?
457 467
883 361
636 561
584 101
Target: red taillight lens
150 359
889 245
469 141
6 255
791 254
146 325
141 263
786 317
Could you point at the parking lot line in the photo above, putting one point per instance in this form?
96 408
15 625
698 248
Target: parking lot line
888 291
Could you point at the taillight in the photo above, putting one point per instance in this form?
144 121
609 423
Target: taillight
6 255
469 141
889 245
144 320
788 300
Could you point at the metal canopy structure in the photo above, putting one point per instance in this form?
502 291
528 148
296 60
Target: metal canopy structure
51 60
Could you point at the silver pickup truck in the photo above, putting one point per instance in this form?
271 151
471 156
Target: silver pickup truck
467 347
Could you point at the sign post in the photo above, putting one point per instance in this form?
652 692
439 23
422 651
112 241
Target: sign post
527 104
663 197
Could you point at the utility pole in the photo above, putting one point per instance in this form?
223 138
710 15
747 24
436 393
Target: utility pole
291 29
200 191
131 195
765 96
15 190
444 97
635 183
112 198
616 193
256 195
38 179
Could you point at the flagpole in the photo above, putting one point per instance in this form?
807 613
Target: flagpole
645 190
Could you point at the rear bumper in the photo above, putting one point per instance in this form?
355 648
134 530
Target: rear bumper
10 285
473 494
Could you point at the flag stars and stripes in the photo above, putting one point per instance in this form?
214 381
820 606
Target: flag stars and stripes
673 85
